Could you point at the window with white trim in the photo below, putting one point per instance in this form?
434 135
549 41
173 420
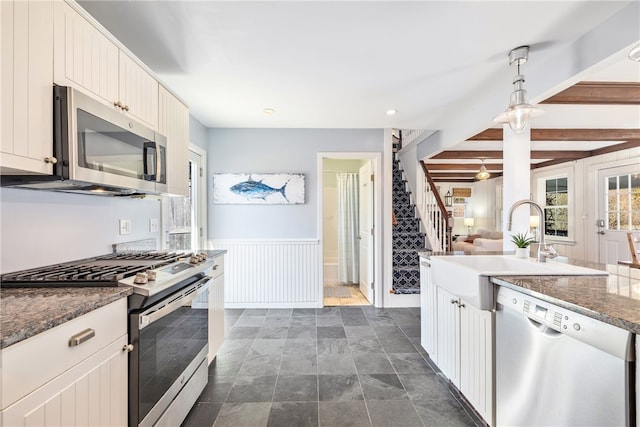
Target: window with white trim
623 202
556 207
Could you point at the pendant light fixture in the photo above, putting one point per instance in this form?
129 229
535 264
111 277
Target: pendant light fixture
483 174
519 110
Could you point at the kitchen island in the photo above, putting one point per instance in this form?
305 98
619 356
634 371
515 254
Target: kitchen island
459 321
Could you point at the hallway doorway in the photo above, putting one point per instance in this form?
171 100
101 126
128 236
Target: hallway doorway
348 228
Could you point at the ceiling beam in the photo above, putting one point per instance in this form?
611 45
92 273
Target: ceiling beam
548 163
453 179
598 93
614 148
496 168
493 134
537 154
453 174
462 167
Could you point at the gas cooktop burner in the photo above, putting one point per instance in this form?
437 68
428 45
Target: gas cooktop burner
106 270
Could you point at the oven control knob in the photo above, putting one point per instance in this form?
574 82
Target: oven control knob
127 348
194 259
203 255
140 279
151 275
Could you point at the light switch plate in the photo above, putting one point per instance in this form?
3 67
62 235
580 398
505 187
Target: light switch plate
154 225
125 226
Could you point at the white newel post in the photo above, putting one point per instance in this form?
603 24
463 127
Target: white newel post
516 152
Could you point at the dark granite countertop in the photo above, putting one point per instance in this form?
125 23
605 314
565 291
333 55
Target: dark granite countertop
26 312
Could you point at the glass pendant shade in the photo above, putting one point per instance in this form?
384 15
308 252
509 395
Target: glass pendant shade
483 174
519 110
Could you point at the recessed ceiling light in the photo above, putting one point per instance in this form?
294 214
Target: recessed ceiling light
268 111
391 112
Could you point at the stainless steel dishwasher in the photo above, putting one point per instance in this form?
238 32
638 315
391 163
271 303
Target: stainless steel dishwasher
555 367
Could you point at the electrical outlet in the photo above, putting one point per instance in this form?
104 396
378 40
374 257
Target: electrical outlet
125 226
154 225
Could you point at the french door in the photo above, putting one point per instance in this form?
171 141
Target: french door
618 211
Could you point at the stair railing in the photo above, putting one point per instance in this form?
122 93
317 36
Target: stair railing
437 219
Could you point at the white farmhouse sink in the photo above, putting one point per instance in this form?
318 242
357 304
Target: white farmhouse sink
468 276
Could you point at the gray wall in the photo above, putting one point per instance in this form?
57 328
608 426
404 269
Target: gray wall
42 227
198 133
276 151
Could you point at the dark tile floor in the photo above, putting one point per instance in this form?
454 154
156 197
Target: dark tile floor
340 366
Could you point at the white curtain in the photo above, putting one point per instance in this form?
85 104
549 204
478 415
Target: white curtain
348 228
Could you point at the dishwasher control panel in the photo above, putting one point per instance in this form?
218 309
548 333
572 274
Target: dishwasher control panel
604 336
542 314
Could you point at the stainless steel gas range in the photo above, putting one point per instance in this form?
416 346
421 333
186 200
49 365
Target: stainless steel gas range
168 332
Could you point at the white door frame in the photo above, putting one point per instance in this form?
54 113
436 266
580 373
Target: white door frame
376 162
201 202
592 240
202 196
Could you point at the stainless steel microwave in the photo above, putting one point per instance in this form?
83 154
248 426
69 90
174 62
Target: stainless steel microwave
99 150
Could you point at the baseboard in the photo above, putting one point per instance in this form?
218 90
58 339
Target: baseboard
272 305
401 300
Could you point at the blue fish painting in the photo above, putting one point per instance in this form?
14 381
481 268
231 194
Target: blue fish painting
268 188
257 190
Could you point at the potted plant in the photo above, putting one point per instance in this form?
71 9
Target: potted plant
522 242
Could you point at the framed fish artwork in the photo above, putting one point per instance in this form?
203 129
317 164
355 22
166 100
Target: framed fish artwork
258 189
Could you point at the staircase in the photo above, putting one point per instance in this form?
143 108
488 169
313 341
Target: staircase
408 239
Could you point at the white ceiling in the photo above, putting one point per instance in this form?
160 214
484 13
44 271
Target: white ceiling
342 64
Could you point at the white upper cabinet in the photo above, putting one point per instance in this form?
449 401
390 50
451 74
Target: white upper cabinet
174 124
26 71
138 92
85 58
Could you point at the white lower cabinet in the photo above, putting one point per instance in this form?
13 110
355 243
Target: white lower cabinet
476 359
216 309
48 382
448 338
428 311
465 350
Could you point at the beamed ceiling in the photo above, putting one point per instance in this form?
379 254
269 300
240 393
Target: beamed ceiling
549 146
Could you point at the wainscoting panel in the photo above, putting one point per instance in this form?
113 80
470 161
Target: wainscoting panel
271 273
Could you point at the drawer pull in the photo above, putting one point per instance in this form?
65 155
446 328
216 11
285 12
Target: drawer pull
81 337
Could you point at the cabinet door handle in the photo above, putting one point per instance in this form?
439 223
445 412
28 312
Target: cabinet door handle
128 348
81 337
51 160
461 305
453 301
125 108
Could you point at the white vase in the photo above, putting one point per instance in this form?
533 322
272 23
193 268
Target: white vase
522 253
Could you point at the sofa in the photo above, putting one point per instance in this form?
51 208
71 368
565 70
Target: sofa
482 241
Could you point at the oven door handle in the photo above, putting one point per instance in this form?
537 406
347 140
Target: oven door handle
172 304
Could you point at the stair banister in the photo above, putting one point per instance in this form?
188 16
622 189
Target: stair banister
446 215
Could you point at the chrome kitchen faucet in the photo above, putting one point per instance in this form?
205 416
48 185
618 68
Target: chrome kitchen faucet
544 251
